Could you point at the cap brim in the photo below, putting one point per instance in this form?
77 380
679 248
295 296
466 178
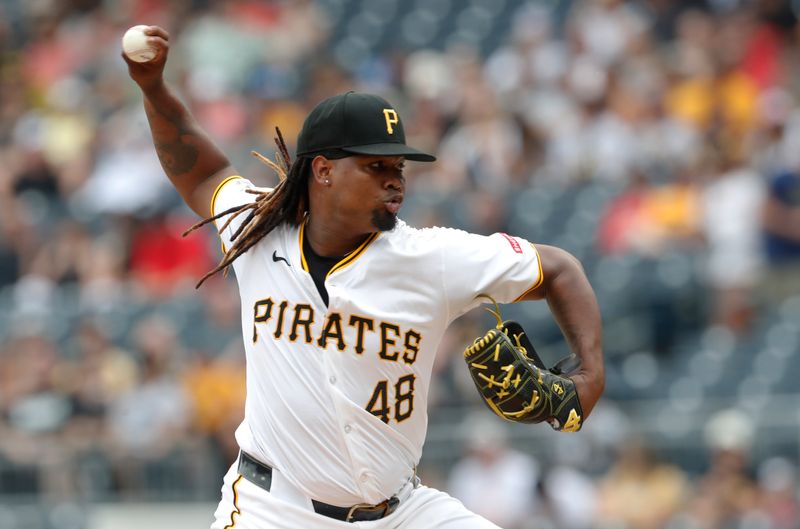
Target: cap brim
391 149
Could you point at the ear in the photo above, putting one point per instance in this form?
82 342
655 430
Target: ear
321 169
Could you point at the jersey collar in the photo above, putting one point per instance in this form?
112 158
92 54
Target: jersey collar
346 261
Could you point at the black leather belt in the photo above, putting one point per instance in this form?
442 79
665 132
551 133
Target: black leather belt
261 475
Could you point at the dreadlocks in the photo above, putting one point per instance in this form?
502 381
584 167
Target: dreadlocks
287 202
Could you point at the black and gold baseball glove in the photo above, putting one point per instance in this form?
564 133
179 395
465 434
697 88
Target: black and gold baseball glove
515 383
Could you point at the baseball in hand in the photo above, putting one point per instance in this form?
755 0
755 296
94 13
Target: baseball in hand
135 46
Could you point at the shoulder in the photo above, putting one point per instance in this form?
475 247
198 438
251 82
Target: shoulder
233 191
448 243
435 237
439 236
239 183
403 230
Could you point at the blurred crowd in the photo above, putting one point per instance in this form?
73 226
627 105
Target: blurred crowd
117 377
636 488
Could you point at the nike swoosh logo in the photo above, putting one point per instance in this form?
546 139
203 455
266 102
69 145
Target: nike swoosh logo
276 258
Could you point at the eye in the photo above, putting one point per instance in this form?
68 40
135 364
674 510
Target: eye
382 166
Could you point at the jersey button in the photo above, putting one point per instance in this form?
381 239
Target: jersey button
332 379
364 477
347 428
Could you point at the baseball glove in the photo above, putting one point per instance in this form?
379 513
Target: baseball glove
514 382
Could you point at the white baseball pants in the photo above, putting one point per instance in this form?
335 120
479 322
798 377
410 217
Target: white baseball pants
247 506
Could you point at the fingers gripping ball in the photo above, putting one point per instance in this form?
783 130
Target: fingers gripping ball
135 46
514 383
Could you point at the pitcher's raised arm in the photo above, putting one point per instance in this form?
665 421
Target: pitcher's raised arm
193 163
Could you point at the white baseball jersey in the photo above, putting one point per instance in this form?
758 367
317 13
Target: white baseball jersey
337 394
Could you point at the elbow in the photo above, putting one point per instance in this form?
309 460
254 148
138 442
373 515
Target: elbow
558 264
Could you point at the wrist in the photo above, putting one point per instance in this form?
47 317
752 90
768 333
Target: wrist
153 88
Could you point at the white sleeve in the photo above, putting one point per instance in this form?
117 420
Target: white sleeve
231 192
499 265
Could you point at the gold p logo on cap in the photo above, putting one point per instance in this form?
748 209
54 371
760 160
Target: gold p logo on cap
391 119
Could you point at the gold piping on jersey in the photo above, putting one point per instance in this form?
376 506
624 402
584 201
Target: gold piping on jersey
352 256
303 262
539 281
217 190
236 509
214 202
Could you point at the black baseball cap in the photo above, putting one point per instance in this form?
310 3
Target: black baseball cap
356 123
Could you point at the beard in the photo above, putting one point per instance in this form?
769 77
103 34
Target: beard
384 220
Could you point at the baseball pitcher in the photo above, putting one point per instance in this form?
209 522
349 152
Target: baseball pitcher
343 308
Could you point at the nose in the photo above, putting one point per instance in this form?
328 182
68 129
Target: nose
395 181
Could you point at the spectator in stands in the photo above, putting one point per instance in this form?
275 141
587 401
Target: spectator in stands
731 208
481 149
781 224
640 492
779 504
570 496
99 374
162 262
512 496
37 410
215 387
726 494
148 424
651 219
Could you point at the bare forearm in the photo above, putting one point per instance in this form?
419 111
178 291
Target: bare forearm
574 307
194 165
186 153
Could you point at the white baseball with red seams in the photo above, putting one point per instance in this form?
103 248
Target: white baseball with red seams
135 46
337 394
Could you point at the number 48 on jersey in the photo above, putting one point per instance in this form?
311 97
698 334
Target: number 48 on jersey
403 397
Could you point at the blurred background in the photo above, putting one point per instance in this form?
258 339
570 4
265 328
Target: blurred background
657 140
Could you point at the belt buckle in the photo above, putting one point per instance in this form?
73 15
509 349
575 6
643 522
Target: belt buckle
361 507
386 507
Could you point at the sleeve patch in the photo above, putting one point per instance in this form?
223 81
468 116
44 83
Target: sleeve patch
513 242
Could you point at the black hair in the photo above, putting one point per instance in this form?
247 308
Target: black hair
286 202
